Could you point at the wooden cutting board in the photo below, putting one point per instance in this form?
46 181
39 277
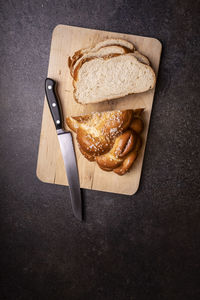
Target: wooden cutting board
50 167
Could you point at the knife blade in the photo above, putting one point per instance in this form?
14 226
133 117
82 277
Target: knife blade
66 147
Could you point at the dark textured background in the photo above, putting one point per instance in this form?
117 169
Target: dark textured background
138 247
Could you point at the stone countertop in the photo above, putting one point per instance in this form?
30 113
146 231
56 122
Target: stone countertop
129 247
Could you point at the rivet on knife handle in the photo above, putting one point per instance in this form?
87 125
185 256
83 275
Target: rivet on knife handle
53 102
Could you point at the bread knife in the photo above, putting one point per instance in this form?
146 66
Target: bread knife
66 147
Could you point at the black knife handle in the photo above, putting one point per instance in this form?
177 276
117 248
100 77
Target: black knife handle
53 102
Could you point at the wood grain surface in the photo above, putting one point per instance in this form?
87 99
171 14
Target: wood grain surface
50 167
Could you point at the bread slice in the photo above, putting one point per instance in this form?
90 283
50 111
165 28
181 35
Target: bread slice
107 42
108 51
74 69
104 78
111 138
103 51
143 59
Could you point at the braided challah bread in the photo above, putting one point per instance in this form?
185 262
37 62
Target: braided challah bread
111 138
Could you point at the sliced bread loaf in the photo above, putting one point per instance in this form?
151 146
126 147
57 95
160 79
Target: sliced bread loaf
103 51
107 42
104 78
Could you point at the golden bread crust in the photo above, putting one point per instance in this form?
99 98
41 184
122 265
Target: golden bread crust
112 138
